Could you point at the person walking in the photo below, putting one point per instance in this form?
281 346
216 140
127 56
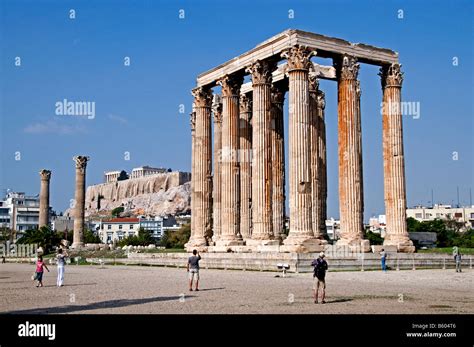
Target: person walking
193 270
383 259
457 259
319 277
61 259
39 271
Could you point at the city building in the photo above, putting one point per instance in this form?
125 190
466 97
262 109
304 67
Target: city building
332 228
116 229
62 223
19 212
378 225
439 211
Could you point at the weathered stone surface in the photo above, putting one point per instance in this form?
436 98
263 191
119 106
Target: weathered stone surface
160 194
44 198
79 201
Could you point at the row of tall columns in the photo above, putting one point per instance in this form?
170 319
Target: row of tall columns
79 200
248 201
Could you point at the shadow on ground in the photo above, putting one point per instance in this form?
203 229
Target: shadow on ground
97 305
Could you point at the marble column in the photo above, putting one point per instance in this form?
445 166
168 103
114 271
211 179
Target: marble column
217 182
262 221
278 158
192 119
202 171
230 169
316 170
246 166
351 204
44 198
322 163
79 202
394 160
301 236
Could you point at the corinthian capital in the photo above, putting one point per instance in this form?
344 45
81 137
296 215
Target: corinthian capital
202 97
391 76
277 94
298 57
347 68
81 161
231 84
245 104
45 174
261 71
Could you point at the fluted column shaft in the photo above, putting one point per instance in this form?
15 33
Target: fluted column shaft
44 198
202 171
322 164
301 229
79 201
278 160
262 222
315 157
193 133
350 168
230 203
394 160
245 166
217 182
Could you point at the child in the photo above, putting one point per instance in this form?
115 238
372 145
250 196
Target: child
39 270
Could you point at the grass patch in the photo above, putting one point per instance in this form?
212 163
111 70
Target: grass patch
447 250
167 250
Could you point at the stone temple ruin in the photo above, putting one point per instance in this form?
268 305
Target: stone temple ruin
238 176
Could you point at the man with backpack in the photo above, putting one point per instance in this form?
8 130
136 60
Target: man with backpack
320 267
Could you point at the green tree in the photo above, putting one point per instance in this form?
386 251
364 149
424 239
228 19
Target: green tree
178 238
44 237
117 211
374 239
91 237
144 238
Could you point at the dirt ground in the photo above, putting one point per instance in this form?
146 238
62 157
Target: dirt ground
142 290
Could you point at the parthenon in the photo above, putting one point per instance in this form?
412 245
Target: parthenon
238 166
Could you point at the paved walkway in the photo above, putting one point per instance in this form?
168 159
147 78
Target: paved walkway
133 289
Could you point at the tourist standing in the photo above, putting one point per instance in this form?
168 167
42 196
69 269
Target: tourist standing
457 259
39 271
61 259
319 277
193 270
383 258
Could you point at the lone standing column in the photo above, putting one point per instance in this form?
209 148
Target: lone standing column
301 236
217 182
278 159
245 166
262 222
202 171
394 160
81 164
351 203
44 198
230 204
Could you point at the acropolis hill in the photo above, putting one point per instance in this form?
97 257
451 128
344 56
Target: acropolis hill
159 194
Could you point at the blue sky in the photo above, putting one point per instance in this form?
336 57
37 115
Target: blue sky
137 106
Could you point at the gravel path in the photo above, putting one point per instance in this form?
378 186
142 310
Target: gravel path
133 289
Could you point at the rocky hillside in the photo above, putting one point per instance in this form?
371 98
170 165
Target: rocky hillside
159 195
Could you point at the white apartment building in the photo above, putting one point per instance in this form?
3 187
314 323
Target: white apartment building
438 211
116 229
19 212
